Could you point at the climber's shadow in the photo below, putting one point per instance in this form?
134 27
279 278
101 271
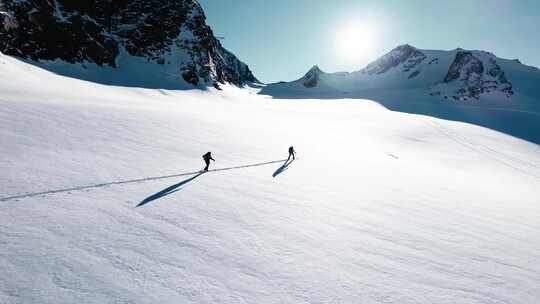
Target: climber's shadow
283 167
168 190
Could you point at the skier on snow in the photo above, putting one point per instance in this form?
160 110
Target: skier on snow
291 153
207 157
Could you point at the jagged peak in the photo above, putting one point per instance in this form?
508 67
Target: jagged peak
314 69
405 46
393 58
311 78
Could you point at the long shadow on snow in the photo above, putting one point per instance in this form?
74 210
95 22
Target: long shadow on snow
79 188
283 167
167 191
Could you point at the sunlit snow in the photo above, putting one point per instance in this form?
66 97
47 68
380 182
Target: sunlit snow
380 206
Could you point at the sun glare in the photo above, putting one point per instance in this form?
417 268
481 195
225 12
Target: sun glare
355 42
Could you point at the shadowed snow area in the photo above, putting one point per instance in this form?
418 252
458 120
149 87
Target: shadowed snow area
475 87
380 206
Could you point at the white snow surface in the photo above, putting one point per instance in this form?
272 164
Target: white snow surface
380 207
419 87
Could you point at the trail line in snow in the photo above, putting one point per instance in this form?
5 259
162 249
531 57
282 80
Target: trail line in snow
493 154
3 199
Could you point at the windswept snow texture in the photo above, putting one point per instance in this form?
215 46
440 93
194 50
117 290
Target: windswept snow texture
468 86
380 206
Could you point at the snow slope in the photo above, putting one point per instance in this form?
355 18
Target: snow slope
462 85
381 206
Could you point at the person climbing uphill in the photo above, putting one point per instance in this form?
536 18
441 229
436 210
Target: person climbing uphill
291 153
207 157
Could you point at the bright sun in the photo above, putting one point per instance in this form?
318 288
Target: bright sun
355 42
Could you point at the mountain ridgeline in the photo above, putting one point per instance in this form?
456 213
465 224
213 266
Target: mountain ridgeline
143 42
463 85
457 75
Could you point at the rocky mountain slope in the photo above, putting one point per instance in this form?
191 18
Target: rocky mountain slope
128 42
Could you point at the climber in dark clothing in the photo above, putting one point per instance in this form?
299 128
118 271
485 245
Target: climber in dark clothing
207 157
291 153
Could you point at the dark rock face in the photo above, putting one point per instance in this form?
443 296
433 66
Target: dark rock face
477 75
406 54
413 74
87 31
468 64
311 79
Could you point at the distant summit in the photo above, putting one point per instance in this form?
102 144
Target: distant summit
405 54
146 43
463 85
311 78
452 75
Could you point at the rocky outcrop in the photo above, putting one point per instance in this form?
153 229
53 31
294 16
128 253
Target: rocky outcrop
476 75
311 78
97 32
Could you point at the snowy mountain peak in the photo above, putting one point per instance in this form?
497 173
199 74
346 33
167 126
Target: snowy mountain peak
448 75
315 69
311 78
401 54
115 41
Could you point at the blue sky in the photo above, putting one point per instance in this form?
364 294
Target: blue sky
282 39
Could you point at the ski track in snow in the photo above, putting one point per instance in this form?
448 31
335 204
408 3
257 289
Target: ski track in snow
486 151
3 199
385 207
